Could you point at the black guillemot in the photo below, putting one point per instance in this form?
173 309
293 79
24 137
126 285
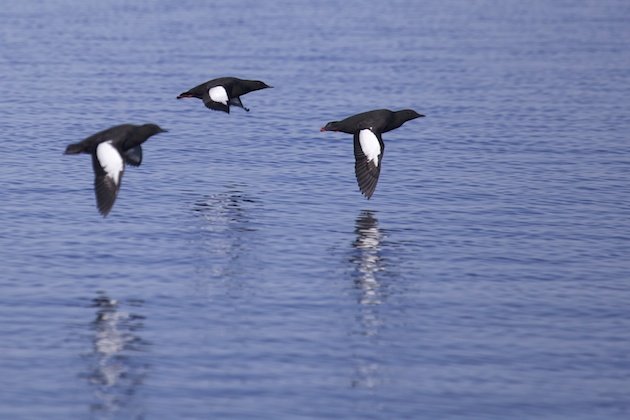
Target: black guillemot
219 94
110 150
367 128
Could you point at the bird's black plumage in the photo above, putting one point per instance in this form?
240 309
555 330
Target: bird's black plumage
110 150
367 129
367 170
219 94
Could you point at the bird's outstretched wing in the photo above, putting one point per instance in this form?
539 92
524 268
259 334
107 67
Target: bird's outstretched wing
109 167
133 156
217 99
368 155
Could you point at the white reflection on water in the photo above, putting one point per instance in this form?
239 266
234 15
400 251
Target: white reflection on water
367 264
368 259
114 374
223 238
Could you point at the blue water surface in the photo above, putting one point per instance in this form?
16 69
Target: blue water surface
242 275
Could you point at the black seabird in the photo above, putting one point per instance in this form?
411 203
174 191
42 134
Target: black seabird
110 150
367 128
219 94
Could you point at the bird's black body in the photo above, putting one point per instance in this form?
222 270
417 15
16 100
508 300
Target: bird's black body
220 100
110 150
367 129
379 121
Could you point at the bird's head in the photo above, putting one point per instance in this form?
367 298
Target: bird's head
408 114
257 85
151 129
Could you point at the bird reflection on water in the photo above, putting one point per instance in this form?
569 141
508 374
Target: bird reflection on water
224 238
367 258
224 211
115 373
367 263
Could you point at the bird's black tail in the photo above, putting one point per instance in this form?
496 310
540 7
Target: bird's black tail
74 149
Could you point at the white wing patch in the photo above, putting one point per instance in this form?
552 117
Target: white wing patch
110 160
219 94
369 145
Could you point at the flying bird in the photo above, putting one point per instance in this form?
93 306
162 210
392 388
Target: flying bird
367 129
110 150
219 94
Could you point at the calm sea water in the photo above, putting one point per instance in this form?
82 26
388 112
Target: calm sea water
242 275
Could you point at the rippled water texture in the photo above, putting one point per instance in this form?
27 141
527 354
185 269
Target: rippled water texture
242 275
